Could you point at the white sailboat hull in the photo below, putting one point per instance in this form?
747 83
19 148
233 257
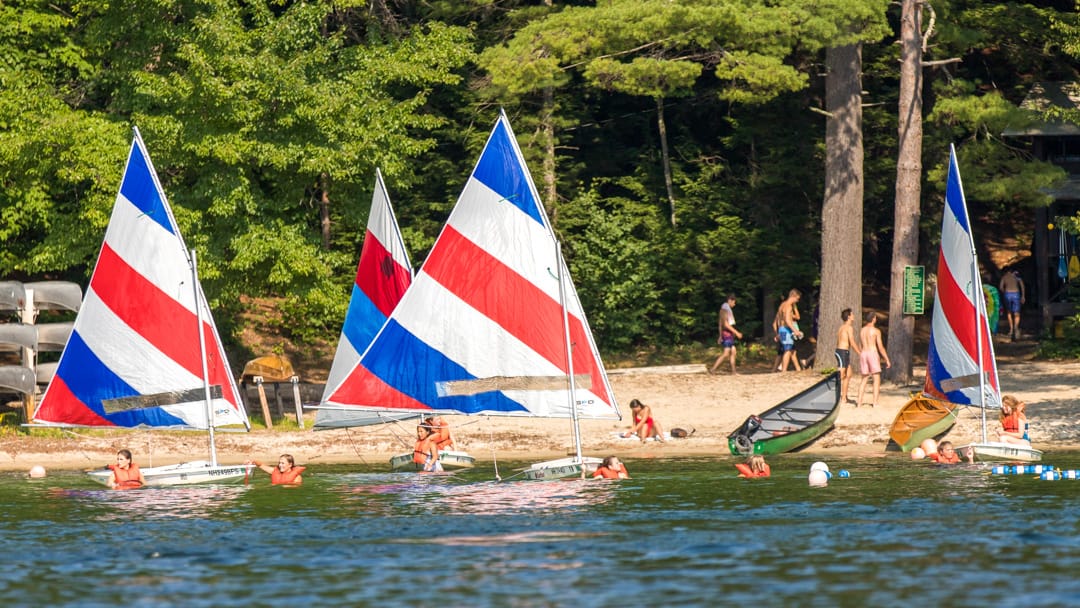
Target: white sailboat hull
996 450
185 473
450 459
562 468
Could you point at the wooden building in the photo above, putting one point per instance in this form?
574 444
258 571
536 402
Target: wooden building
1058 142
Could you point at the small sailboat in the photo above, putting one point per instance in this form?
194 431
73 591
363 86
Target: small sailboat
492 324
383 274
961 367
144 351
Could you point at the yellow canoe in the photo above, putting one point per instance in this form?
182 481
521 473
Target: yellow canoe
920 418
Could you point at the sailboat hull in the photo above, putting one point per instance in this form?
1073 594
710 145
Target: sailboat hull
450 460
563 468
185 473
996 450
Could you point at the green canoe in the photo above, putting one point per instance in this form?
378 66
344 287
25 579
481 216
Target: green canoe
792 424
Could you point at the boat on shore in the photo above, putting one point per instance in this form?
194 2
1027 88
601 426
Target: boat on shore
792 424
922 418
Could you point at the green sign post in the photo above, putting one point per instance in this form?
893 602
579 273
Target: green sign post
914 289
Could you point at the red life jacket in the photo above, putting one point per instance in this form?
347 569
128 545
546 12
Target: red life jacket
126 479
940 458
609 473
278 478
1011 423
746 471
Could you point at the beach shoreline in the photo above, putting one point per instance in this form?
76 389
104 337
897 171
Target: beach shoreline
711 406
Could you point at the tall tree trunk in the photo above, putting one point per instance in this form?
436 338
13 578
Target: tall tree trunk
842 209
662 126
547 130
908 188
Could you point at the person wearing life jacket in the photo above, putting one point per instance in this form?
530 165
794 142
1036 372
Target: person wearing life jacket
440 432
286 473
1012 421
126 474
946 454
755 466
611 468
426 450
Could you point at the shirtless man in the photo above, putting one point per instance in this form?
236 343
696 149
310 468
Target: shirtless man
728 335
787 329
1012 289
873 350
845 343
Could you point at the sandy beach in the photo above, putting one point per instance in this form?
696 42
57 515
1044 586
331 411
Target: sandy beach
681 396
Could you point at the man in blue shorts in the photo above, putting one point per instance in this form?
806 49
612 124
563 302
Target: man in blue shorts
1012 288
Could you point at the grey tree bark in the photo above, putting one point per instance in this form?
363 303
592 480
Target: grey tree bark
842 208
901 328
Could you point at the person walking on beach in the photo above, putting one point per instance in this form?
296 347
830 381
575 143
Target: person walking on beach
1012 287
786 325
728 335
845 343
873 350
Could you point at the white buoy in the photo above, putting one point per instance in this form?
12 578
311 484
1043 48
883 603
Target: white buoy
929 446
37 471
819 466
918 453
818 479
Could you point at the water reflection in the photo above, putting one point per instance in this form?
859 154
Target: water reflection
185 502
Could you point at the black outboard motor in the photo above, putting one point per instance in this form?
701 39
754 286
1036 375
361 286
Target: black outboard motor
744 441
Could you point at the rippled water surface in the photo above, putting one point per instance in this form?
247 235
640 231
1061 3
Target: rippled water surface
682 532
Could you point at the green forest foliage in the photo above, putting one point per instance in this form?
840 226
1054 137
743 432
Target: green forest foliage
252 111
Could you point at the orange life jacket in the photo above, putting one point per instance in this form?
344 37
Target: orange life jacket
126 479
1011 423
440 430
279 478
609 473
746 471
940 458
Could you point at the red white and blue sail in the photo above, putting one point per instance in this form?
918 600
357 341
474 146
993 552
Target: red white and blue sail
481 330
382 276
960 347
134 356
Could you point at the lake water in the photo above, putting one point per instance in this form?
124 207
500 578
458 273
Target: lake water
682 532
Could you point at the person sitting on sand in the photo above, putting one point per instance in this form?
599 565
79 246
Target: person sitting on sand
126 474
755 466
611 468
1013 421
644 425
286 473
946 454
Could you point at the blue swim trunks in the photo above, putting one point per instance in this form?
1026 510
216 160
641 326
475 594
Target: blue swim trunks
1012 301
787 338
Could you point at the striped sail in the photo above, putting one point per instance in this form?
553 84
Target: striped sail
960 345
382 276
134 355
481 330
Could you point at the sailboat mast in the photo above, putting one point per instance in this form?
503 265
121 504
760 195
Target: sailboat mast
977 297
202 353
569 357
